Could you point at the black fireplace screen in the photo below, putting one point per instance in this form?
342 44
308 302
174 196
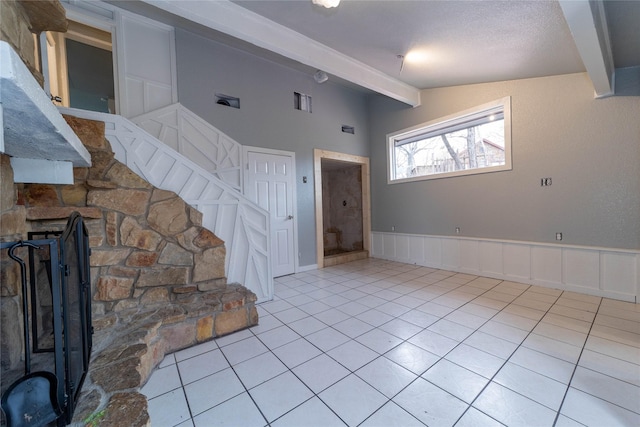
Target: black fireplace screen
60 311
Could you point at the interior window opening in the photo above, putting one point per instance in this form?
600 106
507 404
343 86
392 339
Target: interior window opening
470 142
78 68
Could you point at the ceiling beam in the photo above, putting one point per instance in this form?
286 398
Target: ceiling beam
588 24
236 21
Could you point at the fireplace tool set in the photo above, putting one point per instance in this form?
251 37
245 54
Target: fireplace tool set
62 310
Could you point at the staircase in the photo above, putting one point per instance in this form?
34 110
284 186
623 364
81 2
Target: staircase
213 186
190 135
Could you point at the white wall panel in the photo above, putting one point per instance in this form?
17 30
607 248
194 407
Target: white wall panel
619 272
450 254
402 248
190 135
491 258
146 64
377 246
389 245
416 250
546 265
516 261
581 268
469 255
433 252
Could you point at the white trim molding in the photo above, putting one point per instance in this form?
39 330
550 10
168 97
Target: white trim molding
607 272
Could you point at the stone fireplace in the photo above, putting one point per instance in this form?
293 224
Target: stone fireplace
158 280
157 276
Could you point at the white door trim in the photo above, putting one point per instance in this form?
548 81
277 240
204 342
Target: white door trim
75 12
318 155
245 152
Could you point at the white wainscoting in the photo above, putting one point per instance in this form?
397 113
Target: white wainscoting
607 272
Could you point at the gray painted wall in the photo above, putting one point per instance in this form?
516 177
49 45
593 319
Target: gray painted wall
266 117
590 147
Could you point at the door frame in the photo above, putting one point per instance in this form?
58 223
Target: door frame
318 155
245 162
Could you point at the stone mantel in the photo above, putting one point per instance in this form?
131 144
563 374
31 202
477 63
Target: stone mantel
32 127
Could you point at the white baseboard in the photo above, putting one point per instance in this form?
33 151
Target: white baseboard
303 268
607 272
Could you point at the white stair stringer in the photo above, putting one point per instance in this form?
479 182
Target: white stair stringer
196 139
242 225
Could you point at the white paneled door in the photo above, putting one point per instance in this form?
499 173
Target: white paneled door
269 183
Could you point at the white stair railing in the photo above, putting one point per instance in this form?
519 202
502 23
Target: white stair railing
242 225
196 139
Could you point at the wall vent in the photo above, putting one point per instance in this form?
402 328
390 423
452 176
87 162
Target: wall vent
348 129
227 101
302 102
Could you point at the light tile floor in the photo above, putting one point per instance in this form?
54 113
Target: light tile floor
379 343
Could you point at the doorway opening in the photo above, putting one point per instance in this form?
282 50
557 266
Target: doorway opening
78 68
342 207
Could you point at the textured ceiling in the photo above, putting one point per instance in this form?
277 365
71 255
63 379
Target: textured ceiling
464 41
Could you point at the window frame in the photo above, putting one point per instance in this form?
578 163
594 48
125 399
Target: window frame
442 125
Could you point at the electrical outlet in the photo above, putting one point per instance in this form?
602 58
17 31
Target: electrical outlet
457 230
393 228
558 236
545 182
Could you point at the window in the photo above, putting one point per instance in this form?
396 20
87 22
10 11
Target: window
473 141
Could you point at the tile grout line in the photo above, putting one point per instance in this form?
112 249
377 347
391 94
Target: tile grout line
575 368
508 358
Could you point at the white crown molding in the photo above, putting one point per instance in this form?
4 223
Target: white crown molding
248 26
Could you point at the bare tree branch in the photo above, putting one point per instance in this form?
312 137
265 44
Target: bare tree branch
452 153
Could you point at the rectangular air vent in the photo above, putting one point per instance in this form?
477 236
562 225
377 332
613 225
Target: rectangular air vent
227 101
348 129
302 102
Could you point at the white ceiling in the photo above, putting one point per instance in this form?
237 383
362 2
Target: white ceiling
464 42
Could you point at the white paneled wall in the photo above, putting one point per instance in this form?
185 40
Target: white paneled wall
146 64
613 273
194 138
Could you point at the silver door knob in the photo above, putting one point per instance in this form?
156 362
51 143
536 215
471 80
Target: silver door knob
290 217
